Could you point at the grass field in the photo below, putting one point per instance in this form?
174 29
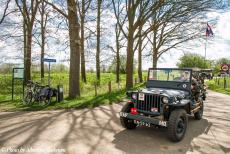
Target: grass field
87 98
217 84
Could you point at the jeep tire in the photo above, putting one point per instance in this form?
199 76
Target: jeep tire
177 125
125 122
204 97
198 115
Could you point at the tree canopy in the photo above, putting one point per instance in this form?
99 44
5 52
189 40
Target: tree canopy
192 60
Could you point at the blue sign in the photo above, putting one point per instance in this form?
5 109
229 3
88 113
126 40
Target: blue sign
49 60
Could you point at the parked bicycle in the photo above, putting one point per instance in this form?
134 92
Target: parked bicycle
38 93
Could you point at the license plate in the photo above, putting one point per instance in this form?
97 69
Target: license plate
141 96
142 123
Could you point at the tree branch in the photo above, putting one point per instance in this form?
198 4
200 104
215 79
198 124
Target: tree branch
57 9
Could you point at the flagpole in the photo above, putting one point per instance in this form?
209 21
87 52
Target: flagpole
208 33
205 46
205 49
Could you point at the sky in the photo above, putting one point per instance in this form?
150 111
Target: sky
216 47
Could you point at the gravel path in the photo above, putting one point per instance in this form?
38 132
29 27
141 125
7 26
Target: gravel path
98 130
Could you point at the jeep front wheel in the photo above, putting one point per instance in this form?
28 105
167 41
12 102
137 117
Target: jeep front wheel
177 125
125 122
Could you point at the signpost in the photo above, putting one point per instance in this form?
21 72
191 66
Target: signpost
225 70
18 74
60 87
225 67
49 61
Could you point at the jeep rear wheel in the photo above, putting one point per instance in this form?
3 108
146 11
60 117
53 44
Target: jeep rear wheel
198 115
177 125
204 96
125 122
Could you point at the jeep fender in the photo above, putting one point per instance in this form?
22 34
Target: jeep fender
128 104
183 104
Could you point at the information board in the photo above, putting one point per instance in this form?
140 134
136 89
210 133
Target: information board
18 73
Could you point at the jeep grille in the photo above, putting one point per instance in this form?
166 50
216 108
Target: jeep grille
151 101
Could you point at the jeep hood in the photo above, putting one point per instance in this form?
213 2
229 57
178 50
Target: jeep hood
165 92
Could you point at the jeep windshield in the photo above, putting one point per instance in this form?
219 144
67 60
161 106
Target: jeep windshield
169 78
176 75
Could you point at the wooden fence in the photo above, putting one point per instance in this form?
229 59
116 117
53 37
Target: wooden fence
223 82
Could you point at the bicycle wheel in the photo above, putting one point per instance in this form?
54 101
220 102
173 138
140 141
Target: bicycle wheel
45 100
28 98
49 97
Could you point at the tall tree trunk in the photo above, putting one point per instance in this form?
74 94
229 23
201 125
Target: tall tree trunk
155 51
28 54
130 52
42 40
98 39
28 22
155 58
140 55
117 54
74 27
24 44
129 62
118 62
83 73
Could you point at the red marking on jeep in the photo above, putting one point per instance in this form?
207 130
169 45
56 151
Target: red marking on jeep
134 111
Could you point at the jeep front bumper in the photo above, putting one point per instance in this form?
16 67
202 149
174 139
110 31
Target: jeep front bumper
144 119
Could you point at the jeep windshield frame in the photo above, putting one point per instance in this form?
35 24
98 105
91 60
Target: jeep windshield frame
169 78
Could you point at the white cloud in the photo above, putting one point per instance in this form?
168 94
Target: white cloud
2 44
217 47
223 26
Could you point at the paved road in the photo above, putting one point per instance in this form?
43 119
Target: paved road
98 131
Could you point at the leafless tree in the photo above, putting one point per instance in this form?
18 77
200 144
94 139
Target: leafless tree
176 23
75 44
116 50
43 22
28 11
83 6
5 12
99 4
134 19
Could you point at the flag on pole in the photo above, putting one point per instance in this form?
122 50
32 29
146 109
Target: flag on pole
209 31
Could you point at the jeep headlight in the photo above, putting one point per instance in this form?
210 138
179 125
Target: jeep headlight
165 100
134 96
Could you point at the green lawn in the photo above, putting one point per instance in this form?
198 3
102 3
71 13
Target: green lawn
218 85
87 98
